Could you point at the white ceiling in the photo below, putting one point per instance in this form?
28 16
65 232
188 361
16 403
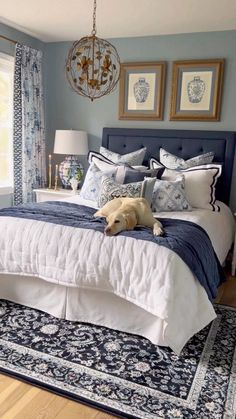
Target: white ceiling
68 20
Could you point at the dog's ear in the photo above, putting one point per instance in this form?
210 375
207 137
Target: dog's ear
131 220
99 214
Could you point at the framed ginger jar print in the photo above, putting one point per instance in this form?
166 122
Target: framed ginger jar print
142 91
197 90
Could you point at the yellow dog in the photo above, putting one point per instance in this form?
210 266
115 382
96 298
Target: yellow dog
125 213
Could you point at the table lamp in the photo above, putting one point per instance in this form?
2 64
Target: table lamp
73 143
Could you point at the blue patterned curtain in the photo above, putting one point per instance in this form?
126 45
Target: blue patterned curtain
28 126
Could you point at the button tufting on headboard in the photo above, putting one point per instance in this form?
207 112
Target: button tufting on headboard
185 143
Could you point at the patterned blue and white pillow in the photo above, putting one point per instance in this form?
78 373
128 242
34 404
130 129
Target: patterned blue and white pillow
111 189
170 161
133 159
170 196
92 182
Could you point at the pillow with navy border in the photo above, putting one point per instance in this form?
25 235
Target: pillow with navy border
200 184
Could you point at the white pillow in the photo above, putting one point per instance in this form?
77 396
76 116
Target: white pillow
200 182
133 159
170 161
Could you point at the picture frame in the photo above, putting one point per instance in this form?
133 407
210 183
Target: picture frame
196 90
141 94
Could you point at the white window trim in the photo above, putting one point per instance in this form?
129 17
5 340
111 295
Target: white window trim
6 190
7 57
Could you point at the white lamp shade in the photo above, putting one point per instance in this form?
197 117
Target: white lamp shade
71 142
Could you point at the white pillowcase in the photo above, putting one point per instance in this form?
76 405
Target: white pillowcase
200 182
133 159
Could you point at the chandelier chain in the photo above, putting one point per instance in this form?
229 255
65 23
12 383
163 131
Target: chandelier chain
94 17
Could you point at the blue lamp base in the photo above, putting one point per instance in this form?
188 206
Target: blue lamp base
68 169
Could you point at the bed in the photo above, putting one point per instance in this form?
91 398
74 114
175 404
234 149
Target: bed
159 314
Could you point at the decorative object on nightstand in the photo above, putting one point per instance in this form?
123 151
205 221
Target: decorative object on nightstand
49 171
74 143
56 177
74 184
234 254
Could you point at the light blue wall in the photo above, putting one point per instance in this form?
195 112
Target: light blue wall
18 36
66 109
9 48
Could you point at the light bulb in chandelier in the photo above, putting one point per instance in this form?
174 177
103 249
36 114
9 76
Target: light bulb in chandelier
93 65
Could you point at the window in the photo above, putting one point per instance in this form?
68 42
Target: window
6 122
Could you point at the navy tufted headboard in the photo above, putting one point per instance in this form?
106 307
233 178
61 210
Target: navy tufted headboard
183 143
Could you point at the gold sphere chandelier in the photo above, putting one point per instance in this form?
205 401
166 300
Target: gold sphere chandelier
93 65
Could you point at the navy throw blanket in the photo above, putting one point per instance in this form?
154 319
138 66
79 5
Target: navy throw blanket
185 238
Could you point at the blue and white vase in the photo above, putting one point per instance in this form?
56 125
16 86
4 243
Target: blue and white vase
141 90
68 169
196 89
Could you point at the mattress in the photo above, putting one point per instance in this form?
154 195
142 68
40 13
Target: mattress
218 225
168 326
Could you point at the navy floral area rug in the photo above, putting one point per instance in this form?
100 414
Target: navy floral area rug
123 374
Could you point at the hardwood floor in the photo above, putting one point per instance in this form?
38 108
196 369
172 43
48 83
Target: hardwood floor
23 401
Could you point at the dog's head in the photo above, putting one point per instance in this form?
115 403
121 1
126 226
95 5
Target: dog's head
118 221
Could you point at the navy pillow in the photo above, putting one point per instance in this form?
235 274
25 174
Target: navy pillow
127 174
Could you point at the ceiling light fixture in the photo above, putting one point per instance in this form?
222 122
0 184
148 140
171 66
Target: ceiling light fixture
93 65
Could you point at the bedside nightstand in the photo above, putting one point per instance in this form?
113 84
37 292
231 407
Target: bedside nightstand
43 195
234 254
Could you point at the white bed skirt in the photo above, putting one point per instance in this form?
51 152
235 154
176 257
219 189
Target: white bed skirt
94 307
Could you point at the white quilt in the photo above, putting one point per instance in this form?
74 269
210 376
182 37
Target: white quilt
146 274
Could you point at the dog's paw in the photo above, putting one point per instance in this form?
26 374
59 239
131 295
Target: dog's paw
97 214
157 230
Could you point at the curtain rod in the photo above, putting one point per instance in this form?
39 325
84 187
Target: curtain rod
8 39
